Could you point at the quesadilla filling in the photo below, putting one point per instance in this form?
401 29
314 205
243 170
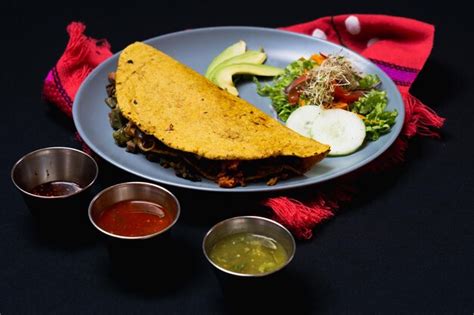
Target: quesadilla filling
226 173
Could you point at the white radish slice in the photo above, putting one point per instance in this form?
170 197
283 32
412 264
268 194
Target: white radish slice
342 130
302 119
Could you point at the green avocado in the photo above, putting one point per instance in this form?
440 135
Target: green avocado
251 56
231 51
223 76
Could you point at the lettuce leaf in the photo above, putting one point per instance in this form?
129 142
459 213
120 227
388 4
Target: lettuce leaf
276 90
377 120
372 105
369 81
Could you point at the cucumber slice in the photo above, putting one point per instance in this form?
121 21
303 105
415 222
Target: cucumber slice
344 131
231 51
301 120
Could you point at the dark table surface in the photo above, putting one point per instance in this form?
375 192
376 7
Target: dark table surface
405 245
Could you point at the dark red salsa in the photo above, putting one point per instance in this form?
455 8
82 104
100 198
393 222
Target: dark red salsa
56 188
134 218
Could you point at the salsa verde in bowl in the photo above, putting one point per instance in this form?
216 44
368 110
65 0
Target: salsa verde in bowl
249 246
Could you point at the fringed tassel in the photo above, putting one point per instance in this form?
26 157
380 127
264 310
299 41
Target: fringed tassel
301 218
81 56
297 217
420 119
77 48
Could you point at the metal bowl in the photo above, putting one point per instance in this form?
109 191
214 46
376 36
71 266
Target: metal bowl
55 164
135 254
133 191
251 224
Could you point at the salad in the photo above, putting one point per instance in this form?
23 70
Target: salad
349 104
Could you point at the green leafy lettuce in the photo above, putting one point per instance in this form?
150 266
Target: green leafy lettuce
369 81
377 120
276 91
372 105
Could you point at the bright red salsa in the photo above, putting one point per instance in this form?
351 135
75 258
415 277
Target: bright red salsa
134 218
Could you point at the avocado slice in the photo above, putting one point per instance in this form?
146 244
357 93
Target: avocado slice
223 77
251 56
231 51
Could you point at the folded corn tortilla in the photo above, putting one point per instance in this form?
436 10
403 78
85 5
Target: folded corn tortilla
188 113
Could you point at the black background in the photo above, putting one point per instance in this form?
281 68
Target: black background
405 245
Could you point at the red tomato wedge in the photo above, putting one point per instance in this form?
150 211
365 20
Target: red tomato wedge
293 90
343 95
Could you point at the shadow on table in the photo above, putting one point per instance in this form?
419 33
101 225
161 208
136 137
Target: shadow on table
60 236
287 292
207 208
160 269
437 83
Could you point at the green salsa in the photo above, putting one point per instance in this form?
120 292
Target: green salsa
248 253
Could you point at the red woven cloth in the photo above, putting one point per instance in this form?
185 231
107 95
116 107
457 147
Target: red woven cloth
81 56
399 46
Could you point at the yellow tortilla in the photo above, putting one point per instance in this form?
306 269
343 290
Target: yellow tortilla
185 111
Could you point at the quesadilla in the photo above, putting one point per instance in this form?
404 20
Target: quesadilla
177 117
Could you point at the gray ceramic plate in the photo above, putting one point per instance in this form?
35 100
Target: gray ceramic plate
197 48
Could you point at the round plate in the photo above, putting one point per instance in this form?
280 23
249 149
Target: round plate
196 48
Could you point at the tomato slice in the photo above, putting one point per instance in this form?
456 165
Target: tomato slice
343 95
294 96
293 90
